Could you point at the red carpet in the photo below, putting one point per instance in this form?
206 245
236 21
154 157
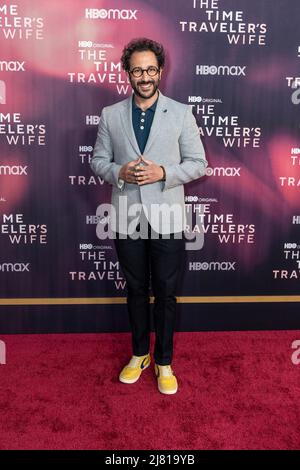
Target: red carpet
237 390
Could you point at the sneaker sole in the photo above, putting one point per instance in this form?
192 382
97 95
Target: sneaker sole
132 381
169 392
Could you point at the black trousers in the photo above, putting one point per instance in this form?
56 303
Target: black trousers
159 261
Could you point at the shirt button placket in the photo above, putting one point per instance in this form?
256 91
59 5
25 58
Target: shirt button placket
142 120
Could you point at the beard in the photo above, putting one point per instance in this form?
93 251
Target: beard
145 94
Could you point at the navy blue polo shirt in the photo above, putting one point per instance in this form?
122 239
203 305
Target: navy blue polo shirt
142 121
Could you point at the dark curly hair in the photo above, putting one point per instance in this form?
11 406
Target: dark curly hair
139 45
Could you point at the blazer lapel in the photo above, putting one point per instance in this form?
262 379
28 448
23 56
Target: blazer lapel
126 118
160 112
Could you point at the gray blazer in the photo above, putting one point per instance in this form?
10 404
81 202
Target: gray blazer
174 142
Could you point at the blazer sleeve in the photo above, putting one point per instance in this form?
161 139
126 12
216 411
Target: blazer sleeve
193 161
102 162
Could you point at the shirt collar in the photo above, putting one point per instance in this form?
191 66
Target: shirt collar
152 107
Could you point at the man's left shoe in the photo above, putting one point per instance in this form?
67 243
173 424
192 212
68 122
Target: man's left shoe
166 380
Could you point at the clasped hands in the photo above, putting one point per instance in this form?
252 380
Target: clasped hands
147 172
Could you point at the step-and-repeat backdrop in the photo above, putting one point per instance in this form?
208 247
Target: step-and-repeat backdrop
237 63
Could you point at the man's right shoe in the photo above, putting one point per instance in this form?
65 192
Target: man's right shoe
131 373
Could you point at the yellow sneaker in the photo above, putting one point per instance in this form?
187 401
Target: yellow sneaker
131 373
166 380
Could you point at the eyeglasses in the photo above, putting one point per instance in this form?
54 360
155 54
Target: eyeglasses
138 71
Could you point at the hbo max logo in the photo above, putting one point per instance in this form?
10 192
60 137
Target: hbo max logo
14 267
110 14
235 70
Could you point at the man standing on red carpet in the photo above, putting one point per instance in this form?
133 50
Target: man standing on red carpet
148 146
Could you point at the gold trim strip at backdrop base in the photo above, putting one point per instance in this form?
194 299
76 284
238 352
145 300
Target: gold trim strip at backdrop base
181 300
